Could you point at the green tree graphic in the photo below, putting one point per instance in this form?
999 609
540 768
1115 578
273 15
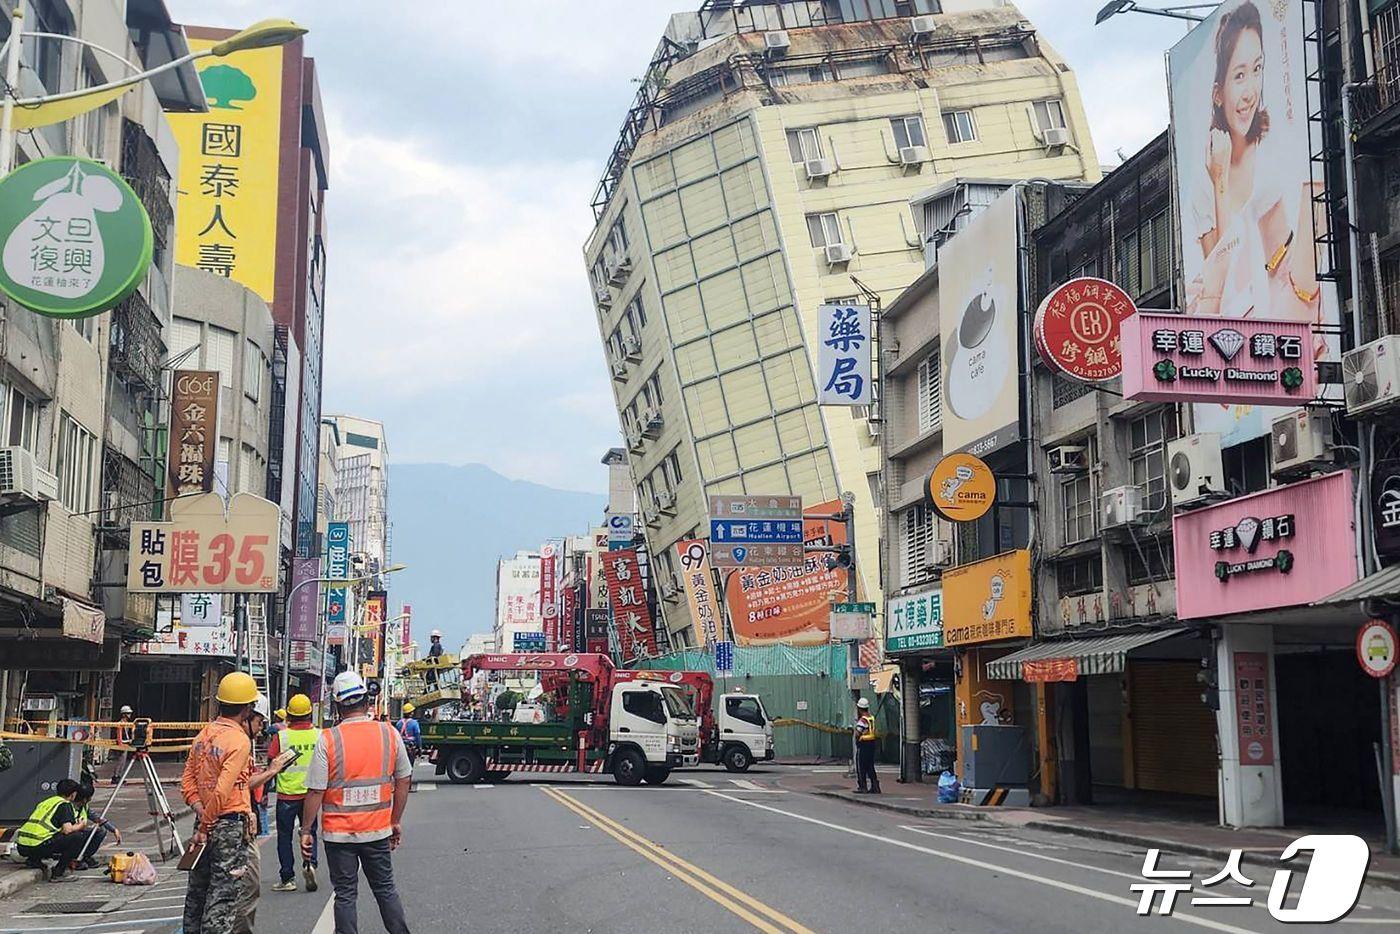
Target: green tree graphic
225 84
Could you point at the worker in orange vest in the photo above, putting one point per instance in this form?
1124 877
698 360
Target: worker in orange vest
359 803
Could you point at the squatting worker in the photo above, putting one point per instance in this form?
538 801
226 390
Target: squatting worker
298 736
866 741
53 831
358 782
97 828
215 785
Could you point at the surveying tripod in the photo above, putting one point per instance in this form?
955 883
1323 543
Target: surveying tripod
155 799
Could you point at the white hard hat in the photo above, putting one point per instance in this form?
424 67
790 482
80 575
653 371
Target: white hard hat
436 634
125 709
262 706
863 704
348 687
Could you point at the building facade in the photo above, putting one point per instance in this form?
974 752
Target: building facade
517 600
767 162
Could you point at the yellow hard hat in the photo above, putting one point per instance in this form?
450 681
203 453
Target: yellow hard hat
280 713
299 705
237 687
409 708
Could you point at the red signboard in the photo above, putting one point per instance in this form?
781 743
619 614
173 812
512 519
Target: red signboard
1077 328
405 637
1050 669
1253 717
549 608
627 598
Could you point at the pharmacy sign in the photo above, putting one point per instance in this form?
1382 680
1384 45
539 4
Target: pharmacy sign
76 238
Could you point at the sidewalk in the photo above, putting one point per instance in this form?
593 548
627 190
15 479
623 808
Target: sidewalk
1261 845
130 813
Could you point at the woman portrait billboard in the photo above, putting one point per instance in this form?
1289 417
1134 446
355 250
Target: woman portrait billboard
1245 182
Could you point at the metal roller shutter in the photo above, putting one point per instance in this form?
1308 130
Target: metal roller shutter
1173 732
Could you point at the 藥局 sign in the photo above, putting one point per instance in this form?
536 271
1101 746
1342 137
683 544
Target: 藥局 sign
1238 98
844 355
914 621
1176 358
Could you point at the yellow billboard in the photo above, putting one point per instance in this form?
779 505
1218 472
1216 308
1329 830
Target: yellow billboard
988 600
226 222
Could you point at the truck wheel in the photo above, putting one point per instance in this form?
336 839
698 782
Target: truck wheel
737 759
629 767
466 767
657 776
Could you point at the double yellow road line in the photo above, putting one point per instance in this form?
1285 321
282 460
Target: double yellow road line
755 912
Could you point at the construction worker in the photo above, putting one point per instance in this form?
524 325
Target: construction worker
866 741
279 719
363 797
98 833
299 737
123 735
251 888
410 732
434 653
215 784
53 831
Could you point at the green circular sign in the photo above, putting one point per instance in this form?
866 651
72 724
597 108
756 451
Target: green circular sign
74 238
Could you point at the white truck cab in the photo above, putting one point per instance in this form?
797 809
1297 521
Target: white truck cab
652 730
745 732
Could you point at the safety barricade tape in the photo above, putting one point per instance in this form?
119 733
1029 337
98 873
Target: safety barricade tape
823 727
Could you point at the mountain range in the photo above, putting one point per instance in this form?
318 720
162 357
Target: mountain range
451 523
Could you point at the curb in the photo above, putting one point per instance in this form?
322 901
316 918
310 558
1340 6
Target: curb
936 813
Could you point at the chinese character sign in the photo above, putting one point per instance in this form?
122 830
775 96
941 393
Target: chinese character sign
337 568
549 589
627 598
844 353
200 630
302 614
376 604
204 548
194 432
694 562
230 163
1077 328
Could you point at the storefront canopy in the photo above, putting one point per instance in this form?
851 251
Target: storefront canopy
1382 584
1103 655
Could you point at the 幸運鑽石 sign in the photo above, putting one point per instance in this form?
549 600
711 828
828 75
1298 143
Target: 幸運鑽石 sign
844 355
961 488
756 531
1077 329
914 621
850 622
204 548
194 431
76 238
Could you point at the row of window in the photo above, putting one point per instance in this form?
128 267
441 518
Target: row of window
214 351
665 478
627 335
648 400
1147 560
1147 468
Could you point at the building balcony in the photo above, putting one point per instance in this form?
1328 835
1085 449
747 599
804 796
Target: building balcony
1376 108
136 346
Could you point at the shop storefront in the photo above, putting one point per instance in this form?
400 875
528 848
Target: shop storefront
914 641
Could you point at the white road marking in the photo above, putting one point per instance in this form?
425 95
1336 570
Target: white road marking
1131 903
109 927
745 784
696 783
426 786
1006 849
326 923
484 785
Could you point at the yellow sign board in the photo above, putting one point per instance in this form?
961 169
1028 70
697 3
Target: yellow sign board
988 600
961 488
229 168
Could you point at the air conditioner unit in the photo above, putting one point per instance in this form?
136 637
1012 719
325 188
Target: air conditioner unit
1121 506
1068 458
1055 136
923 26
939 555
666 501
1300 440
17 473
837 253
651 423
1194 470
819 168
603 296
632 348
669 590
45 483
913 155
873 427
651 517
635 442
776 43
620 269
1371 375
619 369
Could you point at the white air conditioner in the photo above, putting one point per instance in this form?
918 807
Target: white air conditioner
938 555
1194 470
1068 458
913 155
1371 375
651 517
873 427
923 26
619 369
819 168
669 590
1055 136
837 253
632 348
776 43
45 483
17 473
635 442
1300 440
666 501
603 296
620 269
1121 506
652 423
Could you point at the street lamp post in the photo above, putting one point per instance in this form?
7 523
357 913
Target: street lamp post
1185 11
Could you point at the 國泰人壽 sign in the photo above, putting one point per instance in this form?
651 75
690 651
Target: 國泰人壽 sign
844 355
76 238
961 488
206 548
1077 328
194 432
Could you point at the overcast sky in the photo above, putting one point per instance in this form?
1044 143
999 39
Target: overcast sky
466 139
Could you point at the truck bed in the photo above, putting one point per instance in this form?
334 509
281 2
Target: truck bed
489 733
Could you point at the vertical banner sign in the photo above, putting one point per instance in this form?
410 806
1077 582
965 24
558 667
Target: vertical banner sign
699 590
406 633
1237 87
226 221
549 604
844 355
595 630
568 624
302 613
627 598
1252 718
337 568
376 603
194 432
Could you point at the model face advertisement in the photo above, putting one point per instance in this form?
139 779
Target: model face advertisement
977 320
1241 146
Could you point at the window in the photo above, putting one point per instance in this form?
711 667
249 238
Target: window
1149 560
804 144
1080 511
1147 455
644 704
671 467
86 327
918 535
1246 466
959 127
91 127
825 229
909 131
746 709
820 72
76 449
1049 114
45 56
23 422
1080 576
617 237
253 365
218 353
636 314
930 406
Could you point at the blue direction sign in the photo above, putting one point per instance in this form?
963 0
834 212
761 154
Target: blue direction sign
724 658
756 531
529 641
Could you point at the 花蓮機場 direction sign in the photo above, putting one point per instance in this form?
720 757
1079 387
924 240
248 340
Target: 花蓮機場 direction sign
756 531
76 238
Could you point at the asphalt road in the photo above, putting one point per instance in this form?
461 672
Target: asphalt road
714 852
